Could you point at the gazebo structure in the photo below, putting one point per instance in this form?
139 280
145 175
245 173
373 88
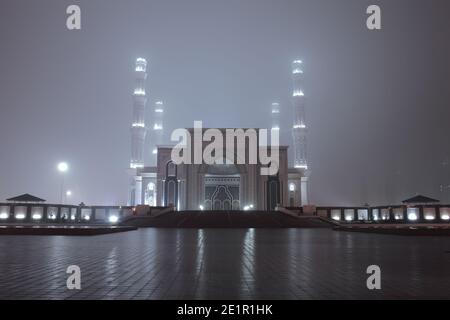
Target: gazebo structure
26 197
420 199
421 208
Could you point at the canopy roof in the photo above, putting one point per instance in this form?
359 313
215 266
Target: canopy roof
26 198
420 199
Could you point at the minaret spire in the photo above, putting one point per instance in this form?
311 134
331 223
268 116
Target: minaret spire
138 130
299 129
157 127
275 116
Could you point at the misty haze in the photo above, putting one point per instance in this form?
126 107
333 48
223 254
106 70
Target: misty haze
377 102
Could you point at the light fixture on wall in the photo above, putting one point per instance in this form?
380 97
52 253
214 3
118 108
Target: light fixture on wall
113 219
37 216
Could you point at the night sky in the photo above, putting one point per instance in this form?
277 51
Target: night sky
378 102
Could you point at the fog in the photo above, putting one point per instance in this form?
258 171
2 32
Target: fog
377 108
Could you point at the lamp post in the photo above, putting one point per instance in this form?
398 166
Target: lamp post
68 194
62 167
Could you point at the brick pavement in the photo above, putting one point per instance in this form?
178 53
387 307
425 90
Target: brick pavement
225 264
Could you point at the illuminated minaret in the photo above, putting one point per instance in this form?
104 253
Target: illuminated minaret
138 130
157 127
275 116
299 127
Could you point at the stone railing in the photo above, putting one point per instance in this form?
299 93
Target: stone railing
71 214
388 214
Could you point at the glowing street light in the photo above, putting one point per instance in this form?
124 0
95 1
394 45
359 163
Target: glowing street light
63 167
67 195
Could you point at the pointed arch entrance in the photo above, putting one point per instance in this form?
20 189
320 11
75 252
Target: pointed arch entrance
171 185
222 186
273 192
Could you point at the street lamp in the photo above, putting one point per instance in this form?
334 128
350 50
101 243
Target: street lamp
62 167
68 194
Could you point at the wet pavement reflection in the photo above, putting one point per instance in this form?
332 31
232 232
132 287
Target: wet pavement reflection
225 264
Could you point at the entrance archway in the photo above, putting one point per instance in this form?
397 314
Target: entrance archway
222 187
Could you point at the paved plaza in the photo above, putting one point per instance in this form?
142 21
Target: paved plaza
225 264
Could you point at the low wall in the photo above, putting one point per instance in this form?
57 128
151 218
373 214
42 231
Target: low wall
57 213
388 214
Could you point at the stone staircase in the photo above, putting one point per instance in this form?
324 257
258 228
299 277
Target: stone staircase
227 219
